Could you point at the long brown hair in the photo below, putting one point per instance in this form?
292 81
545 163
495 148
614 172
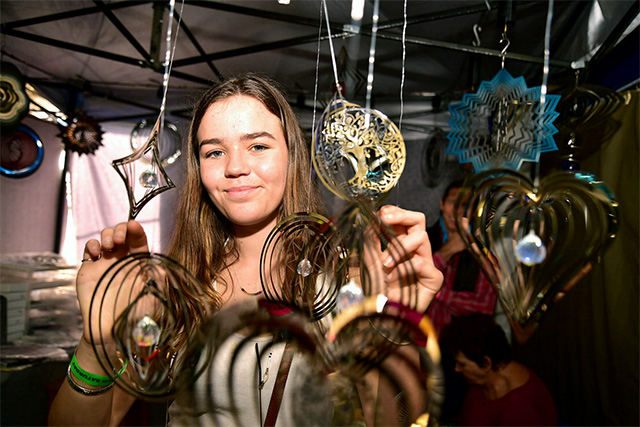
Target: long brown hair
203 239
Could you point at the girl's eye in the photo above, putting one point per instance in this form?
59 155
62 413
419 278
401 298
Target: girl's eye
259 147
213 154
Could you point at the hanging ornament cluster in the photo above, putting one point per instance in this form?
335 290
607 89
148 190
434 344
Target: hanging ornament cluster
584 108
82 134
502 125
534 241
321 383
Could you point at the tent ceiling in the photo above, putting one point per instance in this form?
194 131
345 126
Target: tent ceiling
106 56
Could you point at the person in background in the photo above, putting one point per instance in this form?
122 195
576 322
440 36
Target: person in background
465 290
502 392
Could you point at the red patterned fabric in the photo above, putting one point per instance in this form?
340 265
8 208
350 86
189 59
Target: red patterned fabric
449 302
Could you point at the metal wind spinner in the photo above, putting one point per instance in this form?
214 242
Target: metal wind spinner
502 125
144 180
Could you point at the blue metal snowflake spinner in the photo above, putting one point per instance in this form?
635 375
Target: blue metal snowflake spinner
502 125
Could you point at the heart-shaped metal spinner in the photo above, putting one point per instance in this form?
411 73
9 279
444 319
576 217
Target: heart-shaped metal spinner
534 242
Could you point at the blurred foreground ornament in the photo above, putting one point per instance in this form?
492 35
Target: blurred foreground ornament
534 242
143 174
357 152
138 317
418 388
82 134
502 125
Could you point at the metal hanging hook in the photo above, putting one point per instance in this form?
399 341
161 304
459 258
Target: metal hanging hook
504 39
476 33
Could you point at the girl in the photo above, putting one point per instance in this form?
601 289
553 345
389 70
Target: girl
247 168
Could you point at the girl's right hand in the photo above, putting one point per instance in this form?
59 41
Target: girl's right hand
115 243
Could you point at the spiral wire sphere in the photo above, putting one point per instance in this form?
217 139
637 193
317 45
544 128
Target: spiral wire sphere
293 270
139 316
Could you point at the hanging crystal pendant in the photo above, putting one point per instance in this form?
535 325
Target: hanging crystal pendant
530 250
149 179
304 268
349 295
146 335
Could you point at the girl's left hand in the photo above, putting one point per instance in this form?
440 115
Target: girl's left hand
410 229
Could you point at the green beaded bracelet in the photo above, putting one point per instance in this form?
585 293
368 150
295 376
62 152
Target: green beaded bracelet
88 377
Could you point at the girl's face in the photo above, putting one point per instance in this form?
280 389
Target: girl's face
243 160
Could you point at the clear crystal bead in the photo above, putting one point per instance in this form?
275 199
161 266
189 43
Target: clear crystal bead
146 332
349 295
304 268
530 250
149 179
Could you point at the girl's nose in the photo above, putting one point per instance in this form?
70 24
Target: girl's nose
237 164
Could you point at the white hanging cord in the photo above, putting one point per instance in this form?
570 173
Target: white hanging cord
315 103
168 62
404 56
333 54
545 79
372 59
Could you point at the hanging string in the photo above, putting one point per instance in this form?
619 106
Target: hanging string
333 53
404 56
168 62
315 100
372 58
545 78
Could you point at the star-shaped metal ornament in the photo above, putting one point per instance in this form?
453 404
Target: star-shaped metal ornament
502 125
144 180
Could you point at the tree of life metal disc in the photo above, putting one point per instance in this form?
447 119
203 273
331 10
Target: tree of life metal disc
357 152
139 318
